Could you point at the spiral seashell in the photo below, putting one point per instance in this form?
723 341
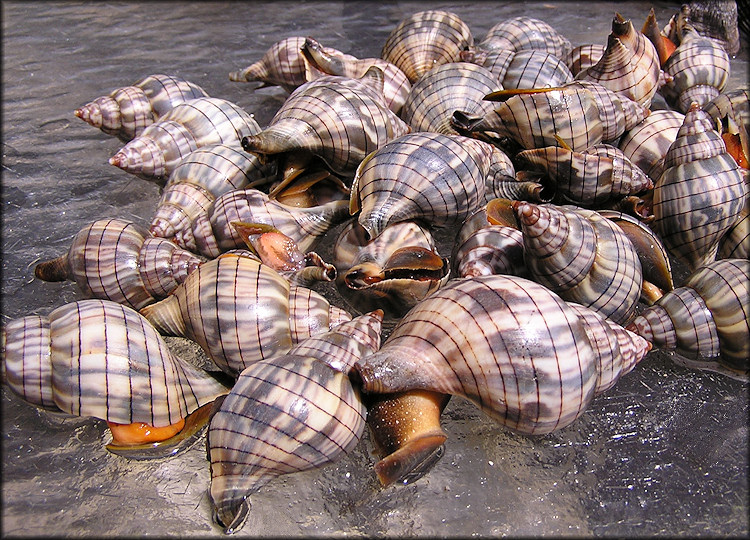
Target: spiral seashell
661 42
338 119
240 311
436 178
582 256
127 111
424 40
201 177
509 345
718 20
700 193
731 111
118 260
283 64
212 232
527 69
396 85
580 113
445 88
290 413
524 33
102 359
156 152
706 319
630 64
646 144
392 271
699 68
584 56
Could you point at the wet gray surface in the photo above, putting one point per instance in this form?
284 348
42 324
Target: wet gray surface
664 452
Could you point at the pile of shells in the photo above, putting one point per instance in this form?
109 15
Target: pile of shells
509 211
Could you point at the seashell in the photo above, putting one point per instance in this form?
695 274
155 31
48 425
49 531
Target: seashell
598 174
630 64
102 359
584 56
582 256
406 433
392 271
735 244
127 111
524 33
580 113
118 260
700 193
718 20
661 42
438 179
283 64
337 119
699 68
706 319
201 177
156 152
240 311
445 88
509 345
424 40
647 143
212 232
290 413
396 85
731 113
527 69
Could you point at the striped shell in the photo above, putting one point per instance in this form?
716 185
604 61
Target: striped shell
396 85
424 40
600 173
283 64
392 271
699 195
647 143
525 33
582 256
240 311
290 413
445 88
707 318
527 69
199 179
102 359
338 119
436 178
509 345
118 260
584 56
629 66
127 111
212 232
699 68
156 152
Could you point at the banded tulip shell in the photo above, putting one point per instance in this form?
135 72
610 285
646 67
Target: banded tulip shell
600 173
424 40
392 271
212 232
699 68
156 152
240 311
445 88
647 143
527 69
584 56
436 178
127 111
509 345
524 33
338 119
582 256
396 85
706 319
283 64
700 194
290 413
118 260
102 359
630 64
